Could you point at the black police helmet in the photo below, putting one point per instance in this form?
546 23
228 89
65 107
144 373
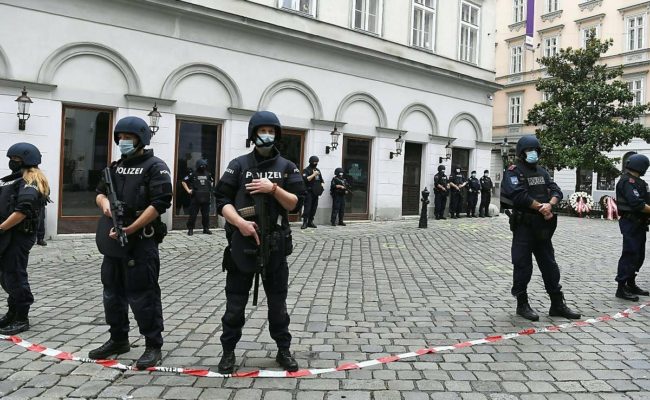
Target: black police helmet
441 168
135 126
528 142
486 171
313 159
201 163
264 118
638 163
27 152
338 170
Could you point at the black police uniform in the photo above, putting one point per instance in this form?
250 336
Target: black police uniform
455 201
132 280
15 243
631 196
474 186
338 197
440 200
241 268
201 183
486 193
314 190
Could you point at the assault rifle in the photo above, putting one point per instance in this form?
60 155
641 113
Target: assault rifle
117 207
263 252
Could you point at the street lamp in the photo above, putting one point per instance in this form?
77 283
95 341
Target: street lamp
23 109
447 153
154 118
505 151
399 142
335 140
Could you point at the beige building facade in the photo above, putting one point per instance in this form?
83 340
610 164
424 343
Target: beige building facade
561 24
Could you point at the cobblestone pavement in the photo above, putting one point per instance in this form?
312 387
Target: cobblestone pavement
356 293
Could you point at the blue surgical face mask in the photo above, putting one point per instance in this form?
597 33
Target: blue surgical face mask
265 140
532 157
126 147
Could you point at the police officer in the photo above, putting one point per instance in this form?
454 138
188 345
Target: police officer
22 195
263 172
338 189
474 186
486 193
314 183
130 274
528 189
633 202
199 186
440 191
456 183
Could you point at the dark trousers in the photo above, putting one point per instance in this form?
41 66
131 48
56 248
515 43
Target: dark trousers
40 232
311 204
338 208
135 286
13 270
454 203
484 208
440 202
238 286
195 206
472 200
534 238
633 254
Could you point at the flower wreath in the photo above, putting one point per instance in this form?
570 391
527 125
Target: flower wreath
581 203
608 205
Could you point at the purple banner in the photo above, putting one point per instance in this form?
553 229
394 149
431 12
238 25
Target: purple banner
530 22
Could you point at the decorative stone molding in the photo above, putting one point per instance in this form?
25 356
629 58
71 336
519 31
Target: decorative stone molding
517 26
551 29
5 67
389 132
42 87
292 84
469 118
244 112
187 70
418 107
590 4
147 100
550 17
363 97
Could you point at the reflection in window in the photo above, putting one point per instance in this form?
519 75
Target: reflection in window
356 164
605 183
586 179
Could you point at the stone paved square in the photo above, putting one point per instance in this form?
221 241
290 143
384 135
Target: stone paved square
356 293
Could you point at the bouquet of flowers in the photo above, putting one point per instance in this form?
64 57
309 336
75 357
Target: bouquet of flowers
581 203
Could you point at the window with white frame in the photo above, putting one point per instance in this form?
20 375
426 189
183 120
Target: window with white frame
514 109
519 10
469 31
586 33
546 96
551 6
635 32
516 59
304 6
366 15
424 19
551 46
636 87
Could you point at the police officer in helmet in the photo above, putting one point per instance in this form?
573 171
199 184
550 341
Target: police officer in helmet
528 189
314 183
199 185
130 274
262 172
633 200
22 196
440 191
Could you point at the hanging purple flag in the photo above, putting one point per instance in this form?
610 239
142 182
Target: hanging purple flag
530 23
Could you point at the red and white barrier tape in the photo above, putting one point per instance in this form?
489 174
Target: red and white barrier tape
61 355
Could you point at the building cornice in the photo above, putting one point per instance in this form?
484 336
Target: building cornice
634 7
590 5
550 17
42 87
551 29
581 21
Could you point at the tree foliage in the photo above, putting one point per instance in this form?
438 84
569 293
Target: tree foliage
589 111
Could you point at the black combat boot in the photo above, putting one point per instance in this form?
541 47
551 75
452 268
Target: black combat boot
41 242
190 231
623 292
150 358
109 348
342 223
7 318
559 307
286 360
227 363
311 224
523 308
305 224
207 231
634 289
20 323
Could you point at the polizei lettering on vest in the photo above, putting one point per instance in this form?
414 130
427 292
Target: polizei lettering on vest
266 174
536 180
129 171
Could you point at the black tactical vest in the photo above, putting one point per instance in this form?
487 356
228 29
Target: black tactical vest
131 177
201 187
9 187
315 185
442 180
640 185
535 182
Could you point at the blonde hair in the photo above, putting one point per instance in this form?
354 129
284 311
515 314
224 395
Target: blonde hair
36 177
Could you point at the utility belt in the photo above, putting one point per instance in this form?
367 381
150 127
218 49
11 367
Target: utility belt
155 230
542 229
637 218
281 242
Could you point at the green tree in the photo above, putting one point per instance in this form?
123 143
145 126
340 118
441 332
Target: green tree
589 111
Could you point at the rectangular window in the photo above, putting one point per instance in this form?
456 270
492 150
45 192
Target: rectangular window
303 6
551 6
635 32
514 112
551 46
519 10
424 18
586 33
516 59
366 15
469 31
605 183
636 87
546 96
